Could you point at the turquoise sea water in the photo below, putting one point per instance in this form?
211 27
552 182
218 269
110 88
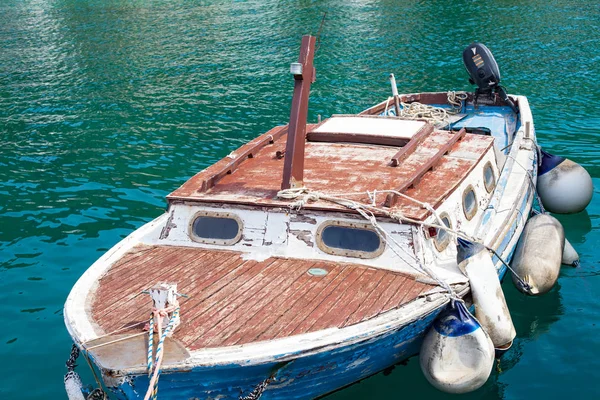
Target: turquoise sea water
107 106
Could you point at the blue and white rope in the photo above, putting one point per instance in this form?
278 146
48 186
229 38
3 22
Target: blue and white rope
154 370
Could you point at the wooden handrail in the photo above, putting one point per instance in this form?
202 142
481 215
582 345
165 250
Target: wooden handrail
392 199
412 145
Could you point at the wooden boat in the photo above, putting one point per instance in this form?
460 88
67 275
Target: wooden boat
297 293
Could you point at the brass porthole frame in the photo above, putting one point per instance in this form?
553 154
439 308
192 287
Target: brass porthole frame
492 186
216 214
441 246
349 253
469 214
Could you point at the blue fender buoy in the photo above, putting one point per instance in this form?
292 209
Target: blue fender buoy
475 262
564 186
457 355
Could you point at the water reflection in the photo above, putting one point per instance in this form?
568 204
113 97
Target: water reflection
532 317
576 226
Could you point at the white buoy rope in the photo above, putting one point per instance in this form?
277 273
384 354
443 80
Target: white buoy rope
530 179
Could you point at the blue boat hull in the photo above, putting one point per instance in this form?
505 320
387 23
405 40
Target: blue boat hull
306 377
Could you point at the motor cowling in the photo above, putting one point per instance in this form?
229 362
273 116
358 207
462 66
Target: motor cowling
484 72
482 67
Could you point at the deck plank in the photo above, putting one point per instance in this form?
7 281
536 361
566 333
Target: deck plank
125 290
373 304
265 317
177 273
239 313
349 167
230 296
303 309
349 285
352 302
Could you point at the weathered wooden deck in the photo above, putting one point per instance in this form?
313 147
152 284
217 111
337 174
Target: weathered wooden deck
428 167
234 301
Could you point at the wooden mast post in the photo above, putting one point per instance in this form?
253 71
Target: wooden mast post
304 75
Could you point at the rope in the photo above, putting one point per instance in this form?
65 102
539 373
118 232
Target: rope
114 341
150 344
367 211
387 104
156 317
435 115
89 363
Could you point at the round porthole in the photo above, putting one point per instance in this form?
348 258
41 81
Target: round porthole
469 202
489 179
442 237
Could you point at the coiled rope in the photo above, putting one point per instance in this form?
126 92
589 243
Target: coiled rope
435 115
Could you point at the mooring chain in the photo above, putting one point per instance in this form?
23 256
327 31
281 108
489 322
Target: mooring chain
97 394
258 390
71 362
71 375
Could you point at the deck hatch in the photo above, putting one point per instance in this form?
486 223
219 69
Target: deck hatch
349 239
216 228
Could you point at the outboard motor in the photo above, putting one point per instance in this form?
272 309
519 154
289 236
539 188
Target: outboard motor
484 72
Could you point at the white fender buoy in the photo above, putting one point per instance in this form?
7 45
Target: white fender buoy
73 386
539 254
570 256
491 311
457 355
564 186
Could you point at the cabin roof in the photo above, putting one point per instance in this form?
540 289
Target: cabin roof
346 154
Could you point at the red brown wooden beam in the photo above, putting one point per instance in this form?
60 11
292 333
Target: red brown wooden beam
392 199
293 169
412 145
208 177
336 137
228 165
